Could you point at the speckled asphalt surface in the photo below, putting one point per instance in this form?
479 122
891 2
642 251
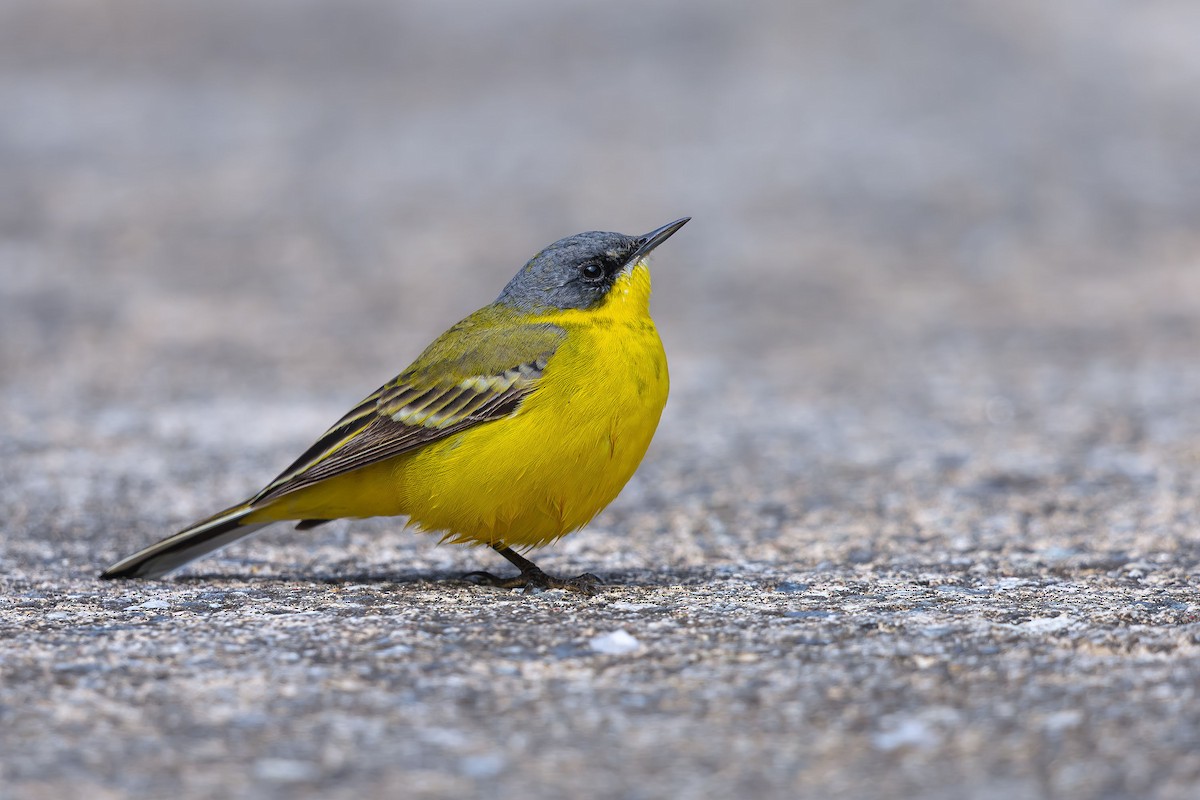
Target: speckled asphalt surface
923 516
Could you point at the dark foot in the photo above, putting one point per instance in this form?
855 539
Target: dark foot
532 578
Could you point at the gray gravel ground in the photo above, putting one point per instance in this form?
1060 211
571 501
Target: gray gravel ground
923 517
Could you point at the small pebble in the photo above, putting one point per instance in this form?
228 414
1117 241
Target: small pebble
616 643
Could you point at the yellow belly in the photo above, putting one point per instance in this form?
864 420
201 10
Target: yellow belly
550 468
545 471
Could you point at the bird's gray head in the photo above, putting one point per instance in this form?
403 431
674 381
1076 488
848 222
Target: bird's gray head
579 271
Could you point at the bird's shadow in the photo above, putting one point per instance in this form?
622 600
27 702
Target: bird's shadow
640 578
391 577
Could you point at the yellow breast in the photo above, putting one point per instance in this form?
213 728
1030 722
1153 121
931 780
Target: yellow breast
570 448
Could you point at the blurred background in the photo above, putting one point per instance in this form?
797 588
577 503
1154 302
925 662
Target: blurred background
922 229
935 321
926 233
933 233
219 197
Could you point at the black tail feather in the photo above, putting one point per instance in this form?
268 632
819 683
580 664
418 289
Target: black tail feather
187 545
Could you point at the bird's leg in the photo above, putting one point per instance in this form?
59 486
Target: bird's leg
532 577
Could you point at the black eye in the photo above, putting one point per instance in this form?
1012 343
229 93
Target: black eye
591 271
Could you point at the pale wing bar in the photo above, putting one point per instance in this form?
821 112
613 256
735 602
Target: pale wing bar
405 417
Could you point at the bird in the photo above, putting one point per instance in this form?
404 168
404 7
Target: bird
512 429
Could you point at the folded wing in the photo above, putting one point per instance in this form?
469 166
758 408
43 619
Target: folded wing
427 402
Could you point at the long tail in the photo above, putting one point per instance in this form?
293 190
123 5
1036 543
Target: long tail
189 544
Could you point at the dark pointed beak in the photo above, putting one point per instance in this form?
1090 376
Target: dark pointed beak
654 238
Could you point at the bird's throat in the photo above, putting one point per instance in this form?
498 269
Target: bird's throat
630 293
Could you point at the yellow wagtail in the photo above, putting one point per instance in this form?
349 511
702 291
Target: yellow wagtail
514 428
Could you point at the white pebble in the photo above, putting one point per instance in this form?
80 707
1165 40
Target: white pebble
614 643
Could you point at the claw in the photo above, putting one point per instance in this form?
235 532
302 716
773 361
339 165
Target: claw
532 578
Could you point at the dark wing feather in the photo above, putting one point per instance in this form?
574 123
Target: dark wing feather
406 414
